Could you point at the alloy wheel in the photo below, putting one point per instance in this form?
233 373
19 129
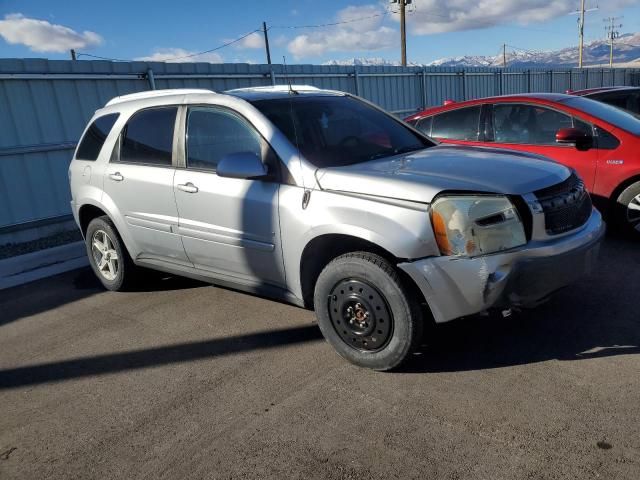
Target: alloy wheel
105 255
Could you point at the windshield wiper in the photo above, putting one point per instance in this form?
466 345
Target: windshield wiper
397 151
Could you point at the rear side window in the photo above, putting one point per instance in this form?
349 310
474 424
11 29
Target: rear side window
148 137
94 138
213 133
424 125
460 124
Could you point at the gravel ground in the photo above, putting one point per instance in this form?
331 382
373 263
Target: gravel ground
62 238
185 380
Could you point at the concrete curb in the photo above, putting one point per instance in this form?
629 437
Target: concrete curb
41 264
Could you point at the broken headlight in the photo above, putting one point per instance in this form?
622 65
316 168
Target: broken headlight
472 225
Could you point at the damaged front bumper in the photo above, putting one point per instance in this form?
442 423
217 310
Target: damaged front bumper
456 287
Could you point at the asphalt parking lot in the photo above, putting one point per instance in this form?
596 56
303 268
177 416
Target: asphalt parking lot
182 379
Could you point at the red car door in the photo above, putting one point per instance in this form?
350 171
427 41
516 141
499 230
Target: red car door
532 128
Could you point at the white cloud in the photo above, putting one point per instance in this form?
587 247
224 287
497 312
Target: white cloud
180 55
437 16
365 33
255 40
42 36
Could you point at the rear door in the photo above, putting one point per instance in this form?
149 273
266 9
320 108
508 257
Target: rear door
460 126
532 128
229 226
139 181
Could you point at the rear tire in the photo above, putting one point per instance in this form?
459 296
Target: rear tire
627 210
108 256
366 313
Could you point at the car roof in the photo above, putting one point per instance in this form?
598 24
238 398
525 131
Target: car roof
549 97
589 91
279 91
188 95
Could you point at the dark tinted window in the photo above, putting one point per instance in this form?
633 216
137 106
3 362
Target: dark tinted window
460 124
615 116
331 131
213 133
424 125
95 136
148 137
605 140
531 124
628 100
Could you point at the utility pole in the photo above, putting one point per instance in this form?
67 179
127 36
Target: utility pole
612 34
403 29
581 33
73 54
266 42
504 55
581 12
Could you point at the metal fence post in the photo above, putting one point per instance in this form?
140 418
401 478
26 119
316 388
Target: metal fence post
356 80
464 85
550 81
602 77
424 88
273 76
570 79
529 81
151 79
501 84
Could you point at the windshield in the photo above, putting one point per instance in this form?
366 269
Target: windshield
613 115
332 131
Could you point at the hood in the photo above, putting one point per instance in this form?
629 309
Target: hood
420 176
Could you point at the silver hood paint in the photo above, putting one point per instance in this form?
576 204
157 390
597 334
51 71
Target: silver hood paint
419 176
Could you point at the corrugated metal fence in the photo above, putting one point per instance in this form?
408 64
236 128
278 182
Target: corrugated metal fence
44 106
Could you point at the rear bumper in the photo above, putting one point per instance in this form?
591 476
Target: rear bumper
457 287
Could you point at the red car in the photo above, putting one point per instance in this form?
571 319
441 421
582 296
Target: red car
601 142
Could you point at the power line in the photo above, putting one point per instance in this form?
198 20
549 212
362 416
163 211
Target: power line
333 24
191 55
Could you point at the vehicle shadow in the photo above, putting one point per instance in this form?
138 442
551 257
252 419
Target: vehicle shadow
154 357
597 317
53 292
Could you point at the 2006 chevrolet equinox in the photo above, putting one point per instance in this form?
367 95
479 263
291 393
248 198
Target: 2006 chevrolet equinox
324 200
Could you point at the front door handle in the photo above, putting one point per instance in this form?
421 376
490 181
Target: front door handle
188 187
116 177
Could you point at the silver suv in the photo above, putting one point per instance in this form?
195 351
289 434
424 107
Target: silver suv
324 200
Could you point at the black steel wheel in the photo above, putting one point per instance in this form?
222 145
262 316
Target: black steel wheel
366 312
360 315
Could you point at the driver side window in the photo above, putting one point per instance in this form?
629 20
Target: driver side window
214 133
528 124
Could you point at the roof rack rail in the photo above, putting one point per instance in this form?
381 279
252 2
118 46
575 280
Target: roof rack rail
155 93
275 88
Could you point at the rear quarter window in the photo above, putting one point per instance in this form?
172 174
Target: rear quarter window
94 137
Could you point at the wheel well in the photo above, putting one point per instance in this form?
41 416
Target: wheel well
620 188
88 213
321 250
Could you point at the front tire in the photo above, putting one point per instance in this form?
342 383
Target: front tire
108 256
627 210
366 313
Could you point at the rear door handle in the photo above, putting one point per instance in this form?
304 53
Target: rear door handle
188 187
116 177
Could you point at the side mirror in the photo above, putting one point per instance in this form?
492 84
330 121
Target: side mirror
582 140
241 165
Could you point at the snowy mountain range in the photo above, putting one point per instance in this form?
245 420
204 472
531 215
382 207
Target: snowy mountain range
596 53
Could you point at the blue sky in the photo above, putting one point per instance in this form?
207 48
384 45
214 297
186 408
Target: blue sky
167 29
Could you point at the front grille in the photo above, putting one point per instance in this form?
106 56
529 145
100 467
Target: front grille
566 206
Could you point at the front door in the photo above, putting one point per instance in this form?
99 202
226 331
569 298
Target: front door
229 226
532 128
